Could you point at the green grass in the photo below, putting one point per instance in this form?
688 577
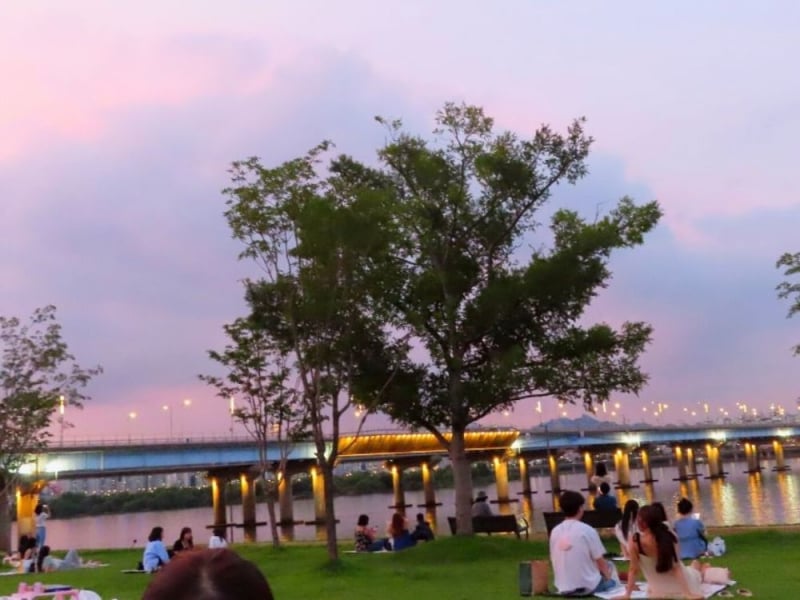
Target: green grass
764 561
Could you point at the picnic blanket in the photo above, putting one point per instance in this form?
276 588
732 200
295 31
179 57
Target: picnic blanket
89 566
709 589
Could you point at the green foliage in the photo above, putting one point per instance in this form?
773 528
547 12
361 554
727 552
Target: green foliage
36 372
315 235
75 504
498 325
788 289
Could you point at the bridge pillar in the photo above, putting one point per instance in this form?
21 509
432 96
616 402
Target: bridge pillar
691 464
285 504
426 469
715 470
588 464
680 459
623 468
248 487
27 497
218 499
555 480
397 489
318 489
751 453
647 468
780 461
501 479
525 478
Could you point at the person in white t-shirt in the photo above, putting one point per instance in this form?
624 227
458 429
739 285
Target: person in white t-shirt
577 552
218 538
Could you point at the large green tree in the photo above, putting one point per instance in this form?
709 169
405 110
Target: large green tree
496 300
36 372
315 236
790 289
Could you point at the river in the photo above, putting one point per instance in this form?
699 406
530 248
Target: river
740 499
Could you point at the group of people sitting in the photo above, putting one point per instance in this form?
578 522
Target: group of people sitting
32 558
654 546
398 535
156 554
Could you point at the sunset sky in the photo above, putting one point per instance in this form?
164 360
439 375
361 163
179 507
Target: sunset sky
119 119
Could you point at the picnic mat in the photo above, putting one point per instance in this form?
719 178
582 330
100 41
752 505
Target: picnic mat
92 566
709 589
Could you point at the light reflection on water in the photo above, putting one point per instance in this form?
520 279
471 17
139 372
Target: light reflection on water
740 499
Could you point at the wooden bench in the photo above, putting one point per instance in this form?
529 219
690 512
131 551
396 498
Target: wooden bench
495 524
599 519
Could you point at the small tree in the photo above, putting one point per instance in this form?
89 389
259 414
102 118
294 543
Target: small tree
315 238
37 370
500 325
256 374
790 290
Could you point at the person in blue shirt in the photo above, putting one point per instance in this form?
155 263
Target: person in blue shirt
605 500
155 553
691 532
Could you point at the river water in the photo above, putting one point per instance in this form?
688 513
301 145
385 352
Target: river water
740 499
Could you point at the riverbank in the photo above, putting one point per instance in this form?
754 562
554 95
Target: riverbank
762 560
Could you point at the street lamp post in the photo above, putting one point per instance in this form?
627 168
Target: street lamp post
166 408
232 410
131 417
61 419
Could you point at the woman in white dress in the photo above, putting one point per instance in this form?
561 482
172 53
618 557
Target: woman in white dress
654 550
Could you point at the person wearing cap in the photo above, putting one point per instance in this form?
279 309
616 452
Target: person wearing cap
481 508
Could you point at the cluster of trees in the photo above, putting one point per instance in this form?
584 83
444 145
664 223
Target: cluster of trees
424 287
357 483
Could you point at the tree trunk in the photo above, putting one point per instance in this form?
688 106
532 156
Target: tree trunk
330 514
462 480
6 544
273 522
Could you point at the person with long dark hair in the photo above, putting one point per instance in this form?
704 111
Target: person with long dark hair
654 551
625 529
185 541
155 553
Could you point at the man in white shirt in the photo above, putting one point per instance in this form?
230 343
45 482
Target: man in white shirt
577 552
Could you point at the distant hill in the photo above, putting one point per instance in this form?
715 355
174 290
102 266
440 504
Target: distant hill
585 423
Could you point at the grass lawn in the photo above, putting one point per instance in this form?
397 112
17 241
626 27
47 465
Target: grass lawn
764 561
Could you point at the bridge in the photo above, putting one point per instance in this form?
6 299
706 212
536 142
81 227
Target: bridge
229 459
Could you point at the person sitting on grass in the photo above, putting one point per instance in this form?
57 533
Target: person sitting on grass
399 534
605 500
691 532
184 542
218 574
218 538
422 532
654 551
577 553
155 553
625 529
46 562
365 536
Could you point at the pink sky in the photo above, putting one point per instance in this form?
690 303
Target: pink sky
118 120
